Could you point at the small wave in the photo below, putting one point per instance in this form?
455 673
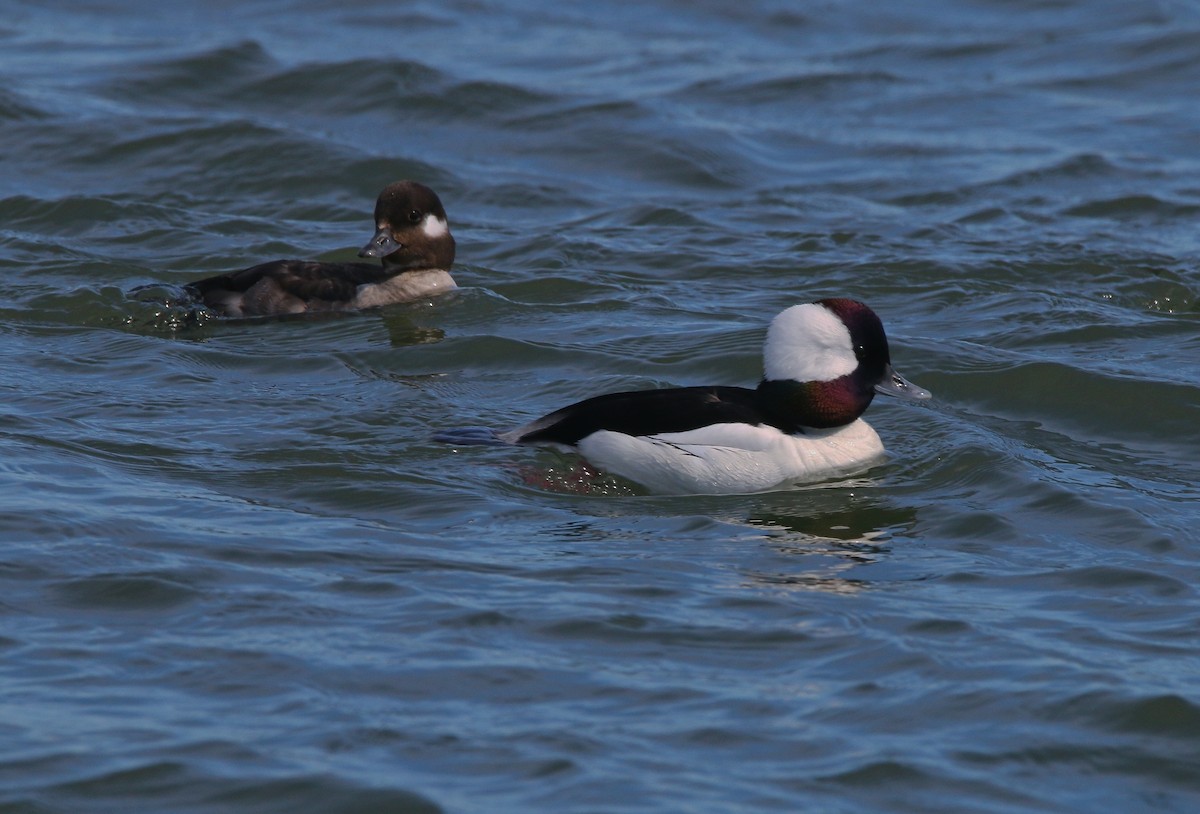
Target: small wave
244 77
207 76
1167 715
180 781
1124 207
15 107
790 89
229 147
129 591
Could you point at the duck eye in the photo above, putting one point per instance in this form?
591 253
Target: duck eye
414 216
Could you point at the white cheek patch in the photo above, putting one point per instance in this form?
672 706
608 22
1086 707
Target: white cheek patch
433 226
808 343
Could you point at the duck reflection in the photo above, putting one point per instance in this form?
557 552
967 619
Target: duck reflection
834 536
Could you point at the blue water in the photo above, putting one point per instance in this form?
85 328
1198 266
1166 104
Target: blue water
238 574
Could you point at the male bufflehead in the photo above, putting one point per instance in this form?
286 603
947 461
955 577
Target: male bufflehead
412 241
824 361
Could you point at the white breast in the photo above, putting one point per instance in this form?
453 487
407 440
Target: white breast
732 458
412 285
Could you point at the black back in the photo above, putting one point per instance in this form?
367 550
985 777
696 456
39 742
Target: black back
306 279
647 412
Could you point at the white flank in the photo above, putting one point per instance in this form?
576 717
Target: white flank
412 285
808 343
434 226
733 458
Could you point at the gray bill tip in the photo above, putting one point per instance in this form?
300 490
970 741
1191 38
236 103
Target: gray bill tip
894 384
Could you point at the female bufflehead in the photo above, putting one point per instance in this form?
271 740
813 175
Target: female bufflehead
824 362
412 241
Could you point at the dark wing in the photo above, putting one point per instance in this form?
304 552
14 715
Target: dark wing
645 412
305 279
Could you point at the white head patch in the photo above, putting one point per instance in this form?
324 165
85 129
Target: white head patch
808 343
434 226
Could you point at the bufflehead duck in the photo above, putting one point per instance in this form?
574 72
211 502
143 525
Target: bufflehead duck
412 241
824 362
